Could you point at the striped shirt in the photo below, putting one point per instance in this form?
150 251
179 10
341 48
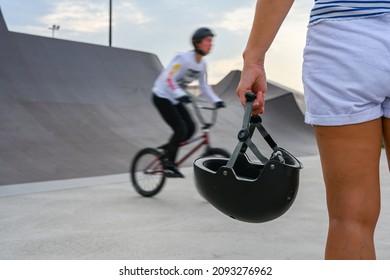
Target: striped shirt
347 9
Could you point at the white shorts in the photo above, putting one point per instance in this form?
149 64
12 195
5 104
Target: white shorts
346 71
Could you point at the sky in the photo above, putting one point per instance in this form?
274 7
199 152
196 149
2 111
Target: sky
164 27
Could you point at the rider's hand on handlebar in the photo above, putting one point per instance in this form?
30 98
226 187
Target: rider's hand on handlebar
219 104
185 99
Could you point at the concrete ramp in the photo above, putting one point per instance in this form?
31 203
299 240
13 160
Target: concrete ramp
71 110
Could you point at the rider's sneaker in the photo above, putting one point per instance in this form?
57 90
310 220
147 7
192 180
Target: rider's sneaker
171 171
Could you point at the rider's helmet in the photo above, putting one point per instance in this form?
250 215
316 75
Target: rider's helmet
200 34
246 190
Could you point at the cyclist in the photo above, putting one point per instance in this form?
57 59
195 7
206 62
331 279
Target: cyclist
169 95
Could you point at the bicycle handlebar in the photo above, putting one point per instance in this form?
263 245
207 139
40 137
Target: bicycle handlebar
199 115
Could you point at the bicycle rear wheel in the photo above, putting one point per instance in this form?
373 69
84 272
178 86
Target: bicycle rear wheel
147 173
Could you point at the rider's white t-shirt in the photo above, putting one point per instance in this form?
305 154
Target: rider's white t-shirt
180 72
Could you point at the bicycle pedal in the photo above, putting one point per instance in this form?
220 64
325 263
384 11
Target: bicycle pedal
173 174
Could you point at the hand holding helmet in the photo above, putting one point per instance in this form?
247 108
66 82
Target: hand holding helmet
246 190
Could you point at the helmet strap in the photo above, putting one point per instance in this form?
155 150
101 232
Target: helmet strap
199 51
250 123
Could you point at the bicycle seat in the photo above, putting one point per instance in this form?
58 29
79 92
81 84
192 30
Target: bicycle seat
246 190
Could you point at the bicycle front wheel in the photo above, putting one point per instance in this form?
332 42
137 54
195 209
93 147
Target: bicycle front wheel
147 173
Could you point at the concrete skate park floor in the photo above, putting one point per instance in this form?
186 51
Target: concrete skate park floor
104 218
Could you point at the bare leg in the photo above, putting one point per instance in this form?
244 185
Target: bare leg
350 164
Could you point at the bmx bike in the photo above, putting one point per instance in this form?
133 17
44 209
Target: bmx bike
146 169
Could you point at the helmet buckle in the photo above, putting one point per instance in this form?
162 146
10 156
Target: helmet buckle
243 134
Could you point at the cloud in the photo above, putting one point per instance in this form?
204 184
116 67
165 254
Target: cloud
88 17
238 20
218 69
129 12
79 17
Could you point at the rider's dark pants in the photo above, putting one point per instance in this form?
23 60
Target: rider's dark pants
179 119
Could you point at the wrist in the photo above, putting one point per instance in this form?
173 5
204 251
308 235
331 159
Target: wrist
253 57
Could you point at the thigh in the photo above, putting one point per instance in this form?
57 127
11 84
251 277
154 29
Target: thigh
169 112
186 117
350 163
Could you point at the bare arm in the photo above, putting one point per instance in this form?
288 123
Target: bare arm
269 16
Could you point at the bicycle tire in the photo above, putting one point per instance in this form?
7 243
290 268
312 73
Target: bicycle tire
218 152
146 172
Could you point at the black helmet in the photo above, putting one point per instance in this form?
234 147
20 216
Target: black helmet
246 190
199 34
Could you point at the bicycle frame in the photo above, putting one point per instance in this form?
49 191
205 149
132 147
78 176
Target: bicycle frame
205 141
